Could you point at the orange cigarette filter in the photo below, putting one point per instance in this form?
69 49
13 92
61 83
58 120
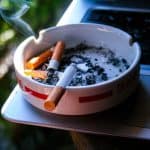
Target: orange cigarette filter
54 98
58 51
36 73
56 57
38 60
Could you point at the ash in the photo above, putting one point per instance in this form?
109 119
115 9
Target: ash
98 64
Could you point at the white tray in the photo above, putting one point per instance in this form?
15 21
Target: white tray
129 119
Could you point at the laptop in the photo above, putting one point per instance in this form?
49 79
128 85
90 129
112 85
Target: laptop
129 119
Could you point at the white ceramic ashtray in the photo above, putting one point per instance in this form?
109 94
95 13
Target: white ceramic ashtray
87 68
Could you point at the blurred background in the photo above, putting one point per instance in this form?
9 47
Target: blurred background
36 15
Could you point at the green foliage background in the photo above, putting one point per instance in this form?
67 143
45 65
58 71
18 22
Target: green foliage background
42 14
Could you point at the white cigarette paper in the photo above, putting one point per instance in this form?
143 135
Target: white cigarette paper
67 76
53 64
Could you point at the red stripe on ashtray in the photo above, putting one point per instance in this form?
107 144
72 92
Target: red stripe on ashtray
95 97
36 94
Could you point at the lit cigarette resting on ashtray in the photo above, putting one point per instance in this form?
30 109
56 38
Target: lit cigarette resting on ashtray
57 92
56 57
38 60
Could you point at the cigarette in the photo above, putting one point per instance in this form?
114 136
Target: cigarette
56 57
58 91
36 73
38 60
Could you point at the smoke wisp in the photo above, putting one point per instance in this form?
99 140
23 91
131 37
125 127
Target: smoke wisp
12 14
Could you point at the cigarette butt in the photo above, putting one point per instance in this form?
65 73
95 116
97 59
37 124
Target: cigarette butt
36 73
38 60
60 88
58 51
57 54
54 98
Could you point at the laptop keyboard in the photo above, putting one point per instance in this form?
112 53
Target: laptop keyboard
135 23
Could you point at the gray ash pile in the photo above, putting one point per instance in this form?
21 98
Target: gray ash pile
94 65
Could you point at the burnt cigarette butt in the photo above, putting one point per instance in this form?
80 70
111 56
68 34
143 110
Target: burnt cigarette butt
58 50
38 60
56 94
36 73
54 98
57 54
